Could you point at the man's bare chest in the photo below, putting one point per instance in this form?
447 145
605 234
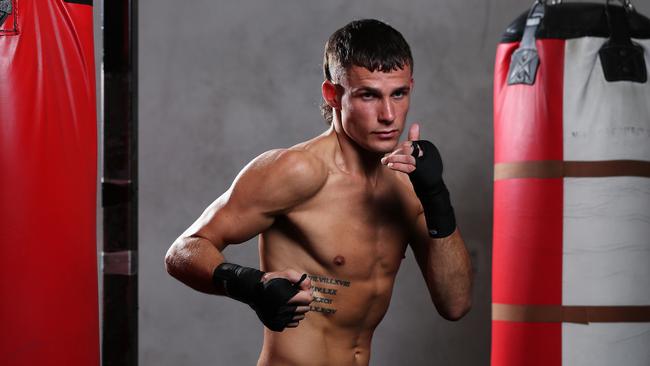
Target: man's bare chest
353 228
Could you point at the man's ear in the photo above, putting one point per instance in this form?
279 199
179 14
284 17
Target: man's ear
330 95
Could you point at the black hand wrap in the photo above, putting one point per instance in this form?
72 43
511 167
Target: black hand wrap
268 299
431 190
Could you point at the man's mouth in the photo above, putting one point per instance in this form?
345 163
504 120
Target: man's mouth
387 134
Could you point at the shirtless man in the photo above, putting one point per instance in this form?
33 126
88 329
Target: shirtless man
340 208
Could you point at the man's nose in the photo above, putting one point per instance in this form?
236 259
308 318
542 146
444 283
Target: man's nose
387 111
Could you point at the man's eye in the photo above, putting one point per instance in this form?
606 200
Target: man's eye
399 94
367 96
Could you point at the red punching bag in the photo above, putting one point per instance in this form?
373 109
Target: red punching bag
571 258
48 171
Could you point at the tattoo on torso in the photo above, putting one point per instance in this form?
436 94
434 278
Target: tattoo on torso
324 297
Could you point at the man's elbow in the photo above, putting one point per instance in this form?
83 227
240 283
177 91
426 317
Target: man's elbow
457 311
172 259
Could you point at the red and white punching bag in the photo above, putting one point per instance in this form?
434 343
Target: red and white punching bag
571 258
48 169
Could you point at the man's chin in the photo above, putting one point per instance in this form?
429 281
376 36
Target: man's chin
383 148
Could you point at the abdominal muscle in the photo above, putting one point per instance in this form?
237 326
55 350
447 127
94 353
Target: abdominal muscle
338 333
349 302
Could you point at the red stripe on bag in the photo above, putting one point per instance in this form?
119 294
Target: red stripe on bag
527 256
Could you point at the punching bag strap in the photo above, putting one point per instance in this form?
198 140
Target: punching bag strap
5 10
627 4
620 58
525 60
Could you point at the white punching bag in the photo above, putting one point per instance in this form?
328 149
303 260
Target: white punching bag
571 258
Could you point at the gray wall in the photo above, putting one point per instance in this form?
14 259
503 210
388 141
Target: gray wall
223 81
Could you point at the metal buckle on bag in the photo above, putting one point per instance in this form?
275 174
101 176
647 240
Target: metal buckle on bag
621 58
8 18
525 60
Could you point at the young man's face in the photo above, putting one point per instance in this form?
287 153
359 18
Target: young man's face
374 106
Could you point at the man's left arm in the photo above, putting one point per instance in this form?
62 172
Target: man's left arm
447 270
436 242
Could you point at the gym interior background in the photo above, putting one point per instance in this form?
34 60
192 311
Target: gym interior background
222 81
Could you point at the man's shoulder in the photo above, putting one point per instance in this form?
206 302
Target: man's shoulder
295 162
295 169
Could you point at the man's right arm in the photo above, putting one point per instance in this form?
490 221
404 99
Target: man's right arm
270 185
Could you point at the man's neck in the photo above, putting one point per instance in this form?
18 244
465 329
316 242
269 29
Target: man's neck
354 159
